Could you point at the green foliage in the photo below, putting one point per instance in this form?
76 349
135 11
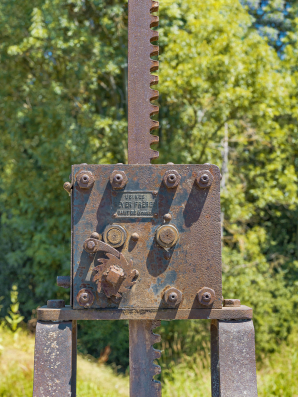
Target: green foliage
14 318
63 101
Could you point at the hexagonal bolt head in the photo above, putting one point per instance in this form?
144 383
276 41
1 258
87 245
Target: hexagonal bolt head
204 179
171 179
85 298
167 236
172 297
85 179
55 303
118 179
115 275
206 296
231 303
90 245
115 235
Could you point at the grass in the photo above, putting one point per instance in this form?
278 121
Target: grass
277 374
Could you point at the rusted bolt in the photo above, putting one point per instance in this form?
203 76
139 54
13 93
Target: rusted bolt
91 245
118 179
231 303
204 179
115 275
67 186
167 217
171 179
167 236
85 298
173 296
55 303
115 235
95 235
85 179
206 296
135 236
155 193
63 281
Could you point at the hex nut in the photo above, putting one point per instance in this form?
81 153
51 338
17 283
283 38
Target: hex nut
206 296
167 236
85 298
55 303
115 275
171 179
115 235
85 179
118 179
231 303
172 297
90 245
204 179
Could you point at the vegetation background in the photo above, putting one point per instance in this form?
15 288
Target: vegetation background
228 96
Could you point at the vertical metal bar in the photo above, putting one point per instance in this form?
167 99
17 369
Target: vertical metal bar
141 357
139 81
233 365
55 359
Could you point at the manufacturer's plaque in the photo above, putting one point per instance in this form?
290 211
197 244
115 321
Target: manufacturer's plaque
135 204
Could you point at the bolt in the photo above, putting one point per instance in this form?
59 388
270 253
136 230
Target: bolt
90 244
170 163
118 178
85 298
173 297
96 236
155 193
167 217
85 178
55 303
204 178
231 303
206 296
155 215
172 178
135 236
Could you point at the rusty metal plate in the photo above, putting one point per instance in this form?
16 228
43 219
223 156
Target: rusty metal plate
190 210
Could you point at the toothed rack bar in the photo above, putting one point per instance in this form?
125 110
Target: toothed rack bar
140 66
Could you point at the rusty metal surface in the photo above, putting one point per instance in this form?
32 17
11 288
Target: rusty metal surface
63 281
141 357
55 359
67 313
192 263
233 366
140 66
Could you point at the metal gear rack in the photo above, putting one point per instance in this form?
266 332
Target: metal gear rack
146 246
